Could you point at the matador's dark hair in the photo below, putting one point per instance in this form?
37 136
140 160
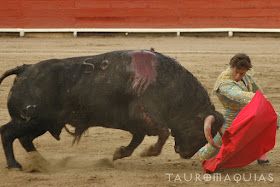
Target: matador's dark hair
240 60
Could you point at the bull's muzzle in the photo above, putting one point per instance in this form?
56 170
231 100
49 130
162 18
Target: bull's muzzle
184 155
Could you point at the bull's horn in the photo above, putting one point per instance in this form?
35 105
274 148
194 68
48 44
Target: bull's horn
209 120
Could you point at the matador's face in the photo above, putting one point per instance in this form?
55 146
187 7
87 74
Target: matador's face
238 74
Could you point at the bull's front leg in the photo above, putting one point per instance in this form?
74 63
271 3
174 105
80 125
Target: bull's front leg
155 150
8 136
128 150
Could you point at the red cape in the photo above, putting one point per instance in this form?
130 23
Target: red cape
252 133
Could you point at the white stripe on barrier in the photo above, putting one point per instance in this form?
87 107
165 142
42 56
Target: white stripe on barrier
178 31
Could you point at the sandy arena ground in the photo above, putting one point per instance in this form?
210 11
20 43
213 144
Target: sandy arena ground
89 163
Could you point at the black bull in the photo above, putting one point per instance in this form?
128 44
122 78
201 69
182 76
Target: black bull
143 92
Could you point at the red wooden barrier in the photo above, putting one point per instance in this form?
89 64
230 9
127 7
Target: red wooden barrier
139 13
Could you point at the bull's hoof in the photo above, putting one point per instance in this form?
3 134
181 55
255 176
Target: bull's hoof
151 151
14 166
120 153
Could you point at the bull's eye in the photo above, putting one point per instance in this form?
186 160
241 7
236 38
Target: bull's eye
104 64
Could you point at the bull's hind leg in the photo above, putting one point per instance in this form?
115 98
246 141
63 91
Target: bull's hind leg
128 150
155 150
10 132
8 136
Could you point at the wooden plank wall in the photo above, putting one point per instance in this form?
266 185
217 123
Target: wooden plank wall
139 13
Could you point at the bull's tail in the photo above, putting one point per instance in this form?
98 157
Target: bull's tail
14 71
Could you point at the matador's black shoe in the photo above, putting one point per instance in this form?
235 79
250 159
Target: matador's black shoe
264 162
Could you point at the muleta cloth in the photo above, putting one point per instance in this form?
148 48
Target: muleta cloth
252 133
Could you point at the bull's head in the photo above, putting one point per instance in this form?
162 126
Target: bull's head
194 135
